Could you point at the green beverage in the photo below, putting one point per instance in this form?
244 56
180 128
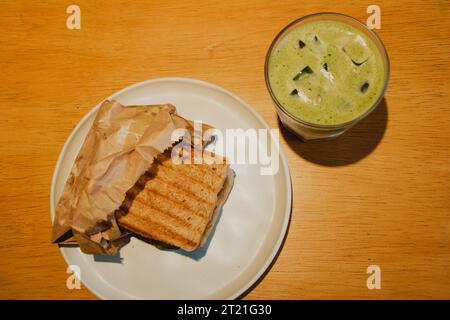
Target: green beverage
326 72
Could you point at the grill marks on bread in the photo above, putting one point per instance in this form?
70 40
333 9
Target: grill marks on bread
173 203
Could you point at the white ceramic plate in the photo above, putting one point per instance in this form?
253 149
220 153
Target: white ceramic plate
249 232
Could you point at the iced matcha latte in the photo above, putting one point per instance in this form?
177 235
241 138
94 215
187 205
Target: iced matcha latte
326 72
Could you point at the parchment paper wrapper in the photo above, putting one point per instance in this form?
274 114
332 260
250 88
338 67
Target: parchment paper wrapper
120 146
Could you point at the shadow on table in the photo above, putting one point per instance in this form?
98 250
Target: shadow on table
355 144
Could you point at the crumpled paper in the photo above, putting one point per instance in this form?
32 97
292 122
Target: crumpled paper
120 146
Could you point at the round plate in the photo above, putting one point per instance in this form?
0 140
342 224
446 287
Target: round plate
249 231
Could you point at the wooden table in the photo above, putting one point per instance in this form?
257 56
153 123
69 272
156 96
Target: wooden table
378 195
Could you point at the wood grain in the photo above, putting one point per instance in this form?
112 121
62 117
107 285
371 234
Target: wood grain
378 195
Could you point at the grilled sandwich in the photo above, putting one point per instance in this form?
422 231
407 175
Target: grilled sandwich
177 204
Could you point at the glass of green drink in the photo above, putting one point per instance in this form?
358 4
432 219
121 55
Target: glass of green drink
325 72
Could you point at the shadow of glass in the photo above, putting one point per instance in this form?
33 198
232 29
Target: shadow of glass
355 144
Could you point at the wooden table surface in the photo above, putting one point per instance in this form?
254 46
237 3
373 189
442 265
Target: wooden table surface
378 195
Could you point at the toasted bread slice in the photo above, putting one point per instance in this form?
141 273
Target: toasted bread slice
177 203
